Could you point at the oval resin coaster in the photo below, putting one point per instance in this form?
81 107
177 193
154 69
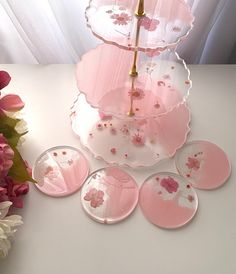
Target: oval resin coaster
60 171
109 195
167 200
204 164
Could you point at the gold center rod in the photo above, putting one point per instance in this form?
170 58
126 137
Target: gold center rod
133 72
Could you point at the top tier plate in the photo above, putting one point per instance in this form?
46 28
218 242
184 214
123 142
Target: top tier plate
165 24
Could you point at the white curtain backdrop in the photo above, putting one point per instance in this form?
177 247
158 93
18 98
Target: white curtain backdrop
54 31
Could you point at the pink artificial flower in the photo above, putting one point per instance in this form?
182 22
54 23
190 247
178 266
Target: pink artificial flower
13 192
170 184
6 157
121 19
11 103
138 140
193 163
5 79
149 24
137 94
95 197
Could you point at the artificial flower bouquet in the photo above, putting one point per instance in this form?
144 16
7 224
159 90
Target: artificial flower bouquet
14 171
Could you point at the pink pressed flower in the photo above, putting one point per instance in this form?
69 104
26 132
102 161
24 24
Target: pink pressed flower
161 84
6 157
121 19
176 29
95 197
138 140
193 163
137 94
190 198
113 150
11 103
170 184
5 79
149 24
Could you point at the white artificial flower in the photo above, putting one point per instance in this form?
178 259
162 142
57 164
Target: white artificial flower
7 228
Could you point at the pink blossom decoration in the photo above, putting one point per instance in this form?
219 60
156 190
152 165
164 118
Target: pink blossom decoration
149 24
113 150
5 79
176 29
190 198
95 197
137 94
6 157
11 103
138 140
170 185
193 163
121 19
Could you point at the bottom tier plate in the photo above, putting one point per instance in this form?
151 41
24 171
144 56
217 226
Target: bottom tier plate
131 142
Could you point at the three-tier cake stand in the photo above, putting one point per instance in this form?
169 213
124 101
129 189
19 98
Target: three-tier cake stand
132 109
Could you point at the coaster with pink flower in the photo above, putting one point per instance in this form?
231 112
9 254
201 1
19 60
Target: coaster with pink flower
167 200
203 164
109 195
60 171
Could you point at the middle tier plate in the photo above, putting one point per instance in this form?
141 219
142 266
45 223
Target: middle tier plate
130 142
162 84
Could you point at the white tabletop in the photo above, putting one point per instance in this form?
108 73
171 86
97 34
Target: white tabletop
57 237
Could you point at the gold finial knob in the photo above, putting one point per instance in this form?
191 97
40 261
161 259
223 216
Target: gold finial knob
140 9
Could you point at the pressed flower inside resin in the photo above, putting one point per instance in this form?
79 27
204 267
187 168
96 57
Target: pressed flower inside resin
109 195
204 164
60 171
166 201
121 19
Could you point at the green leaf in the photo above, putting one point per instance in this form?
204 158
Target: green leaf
18 171
7 128
5 120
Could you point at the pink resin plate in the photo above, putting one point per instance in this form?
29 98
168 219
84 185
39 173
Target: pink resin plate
109 195
60 171
165 24
129 141
168 200
162 84
204 164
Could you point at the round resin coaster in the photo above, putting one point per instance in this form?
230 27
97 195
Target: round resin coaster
109 195
168 200
205 165
60 171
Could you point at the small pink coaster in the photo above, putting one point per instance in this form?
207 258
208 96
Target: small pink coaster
60 171
109 195
205 165
168 200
